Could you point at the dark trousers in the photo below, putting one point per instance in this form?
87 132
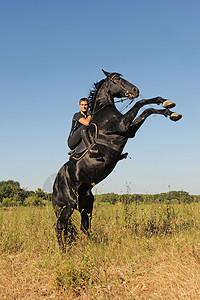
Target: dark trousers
75 138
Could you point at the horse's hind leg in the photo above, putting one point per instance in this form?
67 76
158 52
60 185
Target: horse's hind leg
86 200
64 229
64 202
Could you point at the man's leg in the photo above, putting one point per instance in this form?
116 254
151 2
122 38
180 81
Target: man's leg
74 139
92 147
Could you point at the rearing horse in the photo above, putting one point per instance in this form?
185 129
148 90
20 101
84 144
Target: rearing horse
75 179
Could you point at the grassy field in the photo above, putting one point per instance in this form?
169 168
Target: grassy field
137 251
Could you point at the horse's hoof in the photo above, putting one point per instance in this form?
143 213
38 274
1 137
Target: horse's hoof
175 117
168 104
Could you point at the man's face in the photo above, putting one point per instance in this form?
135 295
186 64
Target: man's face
83 106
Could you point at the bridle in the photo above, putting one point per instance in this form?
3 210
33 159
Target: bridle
128 94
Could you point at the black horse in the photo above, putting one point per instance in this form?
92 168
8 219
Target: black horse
76 178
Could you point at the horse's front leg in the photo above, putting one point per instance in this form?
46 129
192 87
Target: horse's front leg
132 113
136 124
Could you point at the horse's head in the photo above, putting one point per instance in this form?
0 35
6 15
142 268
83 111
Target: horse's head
120 87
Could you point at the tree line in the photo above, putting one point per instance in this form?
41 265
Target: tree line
11 194
170 197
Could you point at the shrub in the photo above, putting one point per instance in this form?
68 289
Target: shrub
6 202
33 201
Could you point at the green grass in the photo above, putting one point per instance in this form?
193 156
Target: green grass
137 251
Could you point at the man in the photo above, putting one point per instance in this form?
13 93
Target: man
79 130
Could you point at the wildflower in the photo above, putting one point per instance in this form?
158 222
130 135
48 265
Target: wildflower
109 287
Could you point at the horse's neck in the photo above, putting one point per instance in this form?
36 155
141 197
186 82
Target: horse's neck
103 98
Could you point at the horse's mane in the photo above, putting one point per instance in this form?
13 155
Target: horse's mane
93 93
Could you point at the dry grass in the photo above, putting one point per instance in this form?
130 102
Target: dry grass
116 264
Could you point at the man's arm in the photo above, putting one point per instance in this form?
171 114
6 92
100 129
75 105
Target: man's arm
85 121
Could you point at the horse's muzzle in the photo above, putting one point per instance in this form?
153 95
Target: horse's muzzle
130 95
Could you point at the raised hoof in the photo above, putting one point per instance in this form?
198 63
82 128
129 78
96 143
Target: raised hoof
175 117
168 104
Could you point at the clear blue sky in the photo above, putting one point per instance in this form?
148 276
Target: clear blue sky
52 52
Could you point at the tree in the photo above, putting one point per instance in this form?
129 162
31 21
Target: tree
8 189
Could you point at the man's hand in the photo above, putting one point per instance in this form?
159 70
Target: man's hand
85 121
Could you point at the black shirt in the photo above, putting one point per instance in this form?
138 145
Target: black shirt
75 121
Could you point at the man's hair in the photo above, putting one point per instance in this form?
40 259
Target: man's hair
83 99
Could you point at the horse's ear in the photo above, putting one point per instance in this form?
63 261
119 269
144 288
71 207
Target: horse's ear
106 73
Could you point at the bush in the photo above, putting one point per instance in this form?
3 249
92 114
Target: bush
6 202
33 201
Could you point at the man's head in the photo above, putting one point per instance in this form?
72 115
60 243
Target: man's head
83 105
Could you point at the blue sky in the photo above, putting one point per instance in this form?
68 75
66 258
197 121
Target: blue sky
51 54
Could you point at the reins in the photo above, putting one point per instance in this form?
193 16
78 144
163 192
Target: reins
121 100
107 144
